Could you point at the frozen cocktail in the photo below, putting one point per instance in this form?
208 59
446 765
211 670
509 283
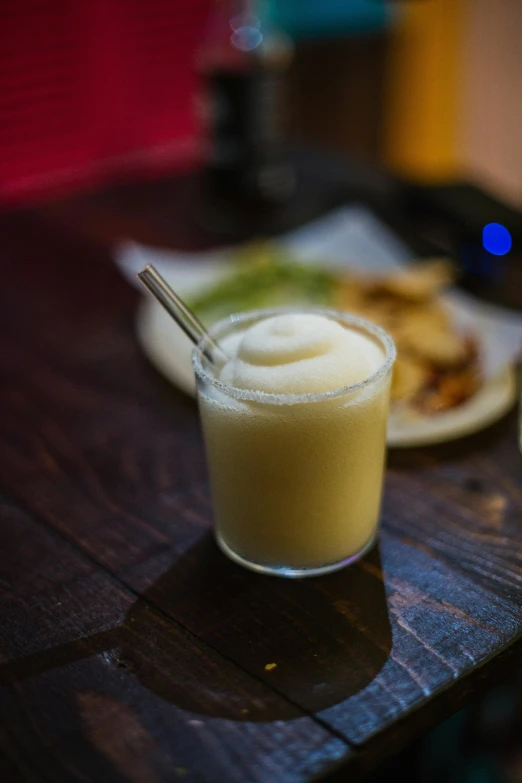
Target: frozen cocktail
295 430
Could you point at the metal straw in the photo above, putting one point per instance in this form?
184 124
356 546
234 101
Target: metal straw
178 310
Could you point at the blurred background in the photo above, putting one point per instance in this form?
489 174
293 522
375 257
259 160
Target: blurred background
95 93
100 90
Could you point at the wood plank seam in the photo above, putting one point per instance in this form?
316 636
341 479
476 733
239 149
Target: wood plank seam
158 610
473 673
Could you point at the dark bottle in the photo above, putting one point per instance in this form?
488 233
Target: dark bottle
243 61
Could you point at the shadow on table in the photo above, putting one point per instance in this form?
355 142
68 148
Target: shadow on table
328 638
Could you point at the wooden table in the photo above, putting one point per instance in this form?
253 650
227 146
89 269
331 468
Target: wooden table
132 651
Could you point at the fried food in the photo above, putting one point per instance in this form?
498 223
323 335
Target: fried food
410 377
417 283
437 366
450 390
431 341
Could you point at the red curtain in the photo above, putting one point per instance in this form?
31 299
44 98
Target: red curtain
92 90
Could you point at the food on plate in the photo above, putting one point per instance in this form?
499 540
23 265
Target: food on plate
419 283
262 277
410 377
438 364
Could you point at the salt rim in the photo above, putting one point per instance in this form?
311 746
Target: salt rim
270 398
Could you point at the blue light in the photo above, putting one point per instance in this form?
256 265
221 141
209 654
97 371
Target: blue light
247 37
496 239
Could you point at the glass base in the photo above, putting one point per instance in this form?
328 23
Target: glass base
289 572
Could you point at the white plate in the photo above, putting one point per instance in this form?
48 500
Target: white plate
348 238
169 350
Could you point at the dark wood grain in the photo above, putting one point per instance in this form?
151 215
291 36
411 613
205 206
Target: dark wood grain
96 685
359 648
479 495
107 459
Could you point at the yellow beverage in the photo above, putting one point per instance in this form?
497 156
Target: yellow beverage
295 431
